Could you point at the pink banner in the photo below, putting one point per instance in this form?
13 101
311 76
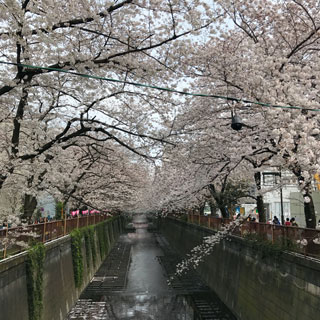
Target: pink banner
75 213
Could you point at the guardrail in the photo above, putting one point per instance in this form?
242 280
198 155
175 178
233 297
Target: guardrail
44 232
302 240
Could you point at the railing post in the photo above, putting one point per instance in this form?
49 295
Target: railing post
65 224
5 246
44 231
209 222
199 219
78 217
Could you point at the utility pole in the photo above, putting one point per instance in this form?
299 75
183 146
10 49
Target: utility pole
281 198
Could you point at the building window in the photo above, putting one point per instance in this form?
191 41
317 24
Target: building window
270 178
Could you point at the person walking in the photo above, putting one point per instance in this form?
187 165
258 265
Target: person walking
287 223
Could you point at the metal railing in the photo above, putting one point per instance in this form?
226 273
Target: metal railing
292 238
43 232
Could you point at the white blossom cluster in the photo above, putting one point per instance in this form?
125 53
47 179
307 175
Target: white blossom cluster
302 243
201 251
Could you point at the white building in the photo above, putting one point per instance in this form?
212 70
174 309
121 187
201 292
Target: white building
277 185
273 184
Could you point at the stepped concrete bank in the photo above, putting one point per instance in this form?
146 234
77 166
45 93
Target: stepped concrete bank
59 291
254 286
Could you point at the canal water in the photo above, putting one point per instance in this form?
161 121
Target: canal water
132 284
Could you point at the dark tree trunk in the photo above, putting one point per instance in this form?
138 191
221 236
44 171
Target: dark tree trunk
310 214
260 203
30 205
218 200
16 122
261 209
2 180
212 209
224 212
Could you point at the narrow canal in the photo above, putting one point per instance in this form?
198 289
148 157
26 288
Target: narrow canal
132 284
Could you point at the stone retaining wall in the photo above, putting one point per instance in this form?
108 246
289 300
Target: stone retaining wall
59 291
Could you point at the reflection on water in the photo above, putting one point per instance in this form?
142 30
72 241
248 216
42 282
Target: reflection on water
140 307
145 274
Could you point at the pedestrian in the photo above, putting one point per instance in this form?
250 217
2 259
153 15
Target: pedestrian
275 220
287 223
318 225
293 222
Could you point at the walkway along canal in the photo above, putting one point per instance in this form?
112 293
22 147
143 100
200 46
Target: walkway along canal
132 284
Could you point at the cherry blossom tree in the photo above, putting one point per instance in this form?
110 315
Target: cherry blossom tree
45 112
103 178
261 51
197 170
267 52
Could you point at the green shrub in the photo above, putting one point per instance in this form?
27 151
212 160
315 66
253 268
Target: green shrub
102 238
34 269
59 206
92 244
86 235
184 217
264 247
76 243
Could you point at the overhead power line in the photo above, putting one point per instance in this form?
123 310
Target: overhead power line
234 99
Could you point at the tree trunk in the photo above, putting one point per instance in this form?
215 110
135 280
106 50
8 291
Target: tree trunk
260 203
30 205
212 209
2 180
201 210
261 209
224 212
309 213
218 201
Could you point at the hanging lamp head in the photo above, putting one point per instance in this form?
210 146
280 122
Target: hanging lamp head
236 122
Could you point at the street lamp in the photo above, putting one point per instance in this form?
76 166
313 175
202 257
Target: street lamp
236 122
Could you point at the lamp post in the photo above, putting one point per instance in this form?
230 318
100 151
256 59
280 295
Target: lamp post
281 197
275 174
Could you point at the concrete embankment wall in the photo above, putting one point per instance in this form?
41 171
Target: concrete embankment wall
254 287
59 291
